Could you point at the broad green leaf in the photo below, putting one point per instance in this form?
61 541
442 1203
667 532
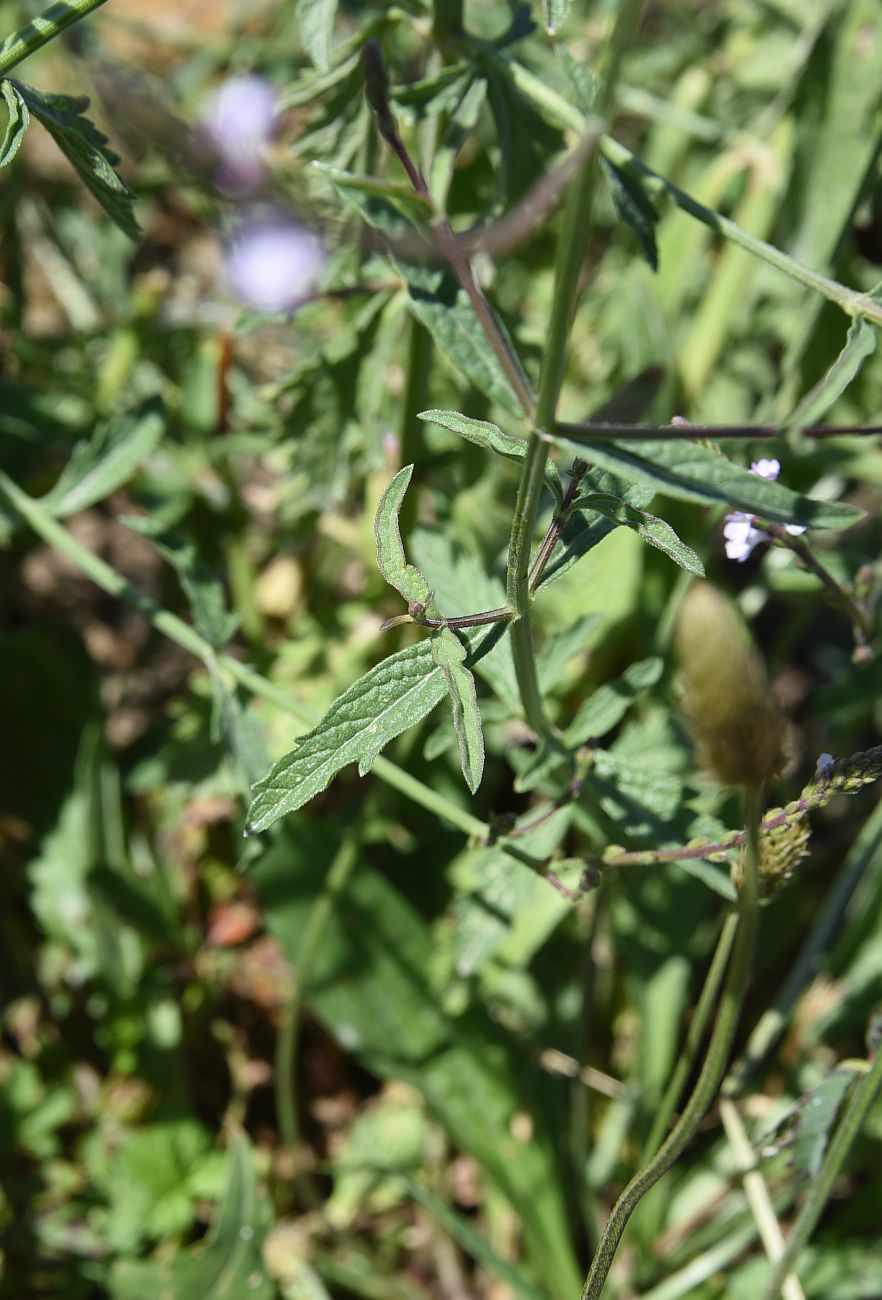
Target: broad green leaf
491 437
860 344
606 706
108 460
555 14
205 591
391 560
393 696
635 209
16 125
450 656
370 987
654 531
229 1264
315 20
688 471
641 798
85 148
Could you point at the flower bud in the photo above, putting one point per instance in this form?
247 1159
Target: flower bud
733 717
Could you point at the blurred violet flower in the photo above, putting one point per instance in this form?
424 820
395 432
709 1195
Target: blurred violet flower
739 529
272 262
824 766
239 121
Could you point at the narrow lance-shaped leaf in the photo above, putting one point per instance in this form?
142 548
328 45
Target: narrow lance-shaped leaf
635 209
450 656
391 560
606 706
688 471
108 460
492 438
85 148
555 14
393 696
16 125
654 531
860 344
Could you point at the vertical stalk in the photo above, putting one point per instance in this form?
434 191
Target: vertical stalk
712 1070
570 254
41 30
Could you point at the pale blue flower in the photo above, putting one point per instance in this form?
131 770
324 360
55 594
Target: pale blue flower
272 263
739 529
239 122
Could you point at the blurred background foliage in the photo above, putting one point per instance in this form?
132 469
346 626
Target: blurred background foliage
360 1055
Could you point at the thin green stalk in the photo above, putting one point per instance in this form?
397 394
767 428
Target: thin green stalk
711 1072
689 1054
42 29
416 399
851 301
863 1099
570 255
185 636
289 1033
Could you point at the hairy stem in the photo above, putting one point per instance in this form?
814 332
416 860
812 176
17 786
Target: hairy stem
711 1072
42 29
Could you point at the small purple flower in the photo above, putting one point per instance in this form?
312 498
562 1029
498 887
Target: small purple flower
239 122
740 529
272 263
824 766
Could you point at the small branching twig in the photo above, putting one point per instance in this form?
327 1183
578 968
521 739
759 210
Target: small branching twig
839 594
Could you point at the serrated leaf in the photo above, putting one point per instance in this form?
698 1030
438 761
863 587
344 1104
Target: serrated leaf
492 438
315 21
859 344
108 460
85 148
654 531
391 560
606 706
554 14
205 591
229 1264
450 656
393 696
635 209
16 125
687 471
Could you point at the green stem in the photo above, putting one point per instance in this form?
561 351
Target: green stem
711 1073
39 519
851 301
570 256
866 1094
42 29
689 1054
289 1033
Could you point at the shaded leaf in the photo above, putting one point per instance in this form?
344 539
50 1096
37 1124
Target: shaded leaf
450 656
229 1264
654 531
635 209
606 706
859 345
315 21
391 560
16 125
555 14
85 148
393 696
490 436
688 471
108 460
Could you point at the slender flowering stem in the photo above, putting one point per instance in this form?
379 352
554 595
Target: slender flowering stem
712 1070
681 431
42 29
863 629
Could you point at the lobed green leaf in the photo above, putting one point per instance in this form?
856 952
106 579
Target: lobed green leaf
85 148
391 560
393 696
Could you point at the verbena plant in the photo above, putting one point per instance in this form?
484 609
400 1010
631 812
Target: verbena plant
470 175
